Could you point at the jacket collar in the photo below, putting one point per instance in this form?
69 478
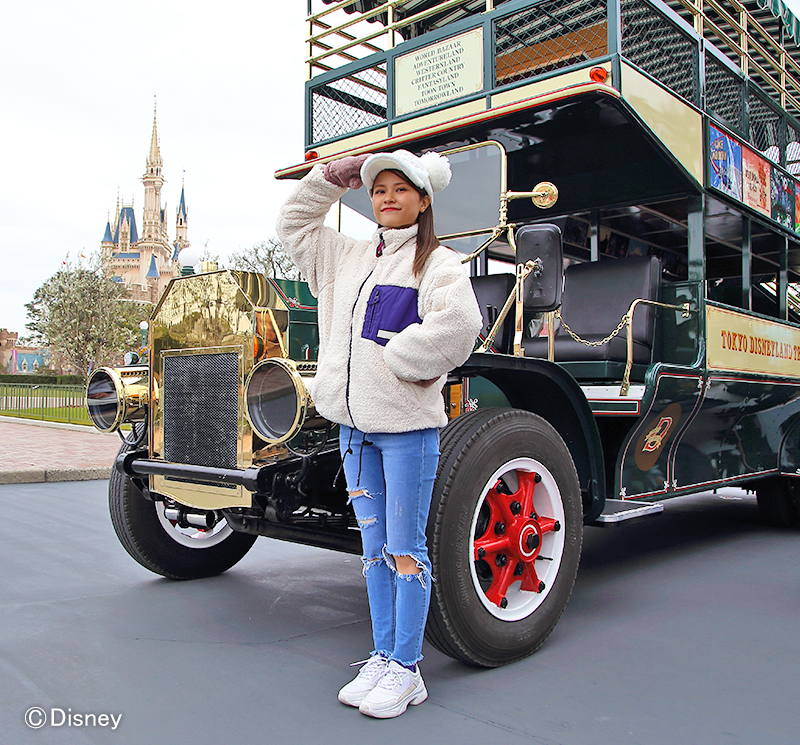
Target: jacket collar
394 238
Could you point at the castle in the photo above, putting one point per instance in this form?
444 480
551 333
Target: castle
146 264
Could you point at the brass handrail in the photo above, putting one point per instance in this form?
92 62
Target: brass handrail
627 322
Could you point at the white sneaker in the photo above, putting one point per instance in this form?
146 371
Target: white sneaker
369 675
398 688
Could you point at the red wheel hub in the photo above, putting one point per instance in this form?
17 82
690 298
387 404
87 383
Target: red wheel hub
513 538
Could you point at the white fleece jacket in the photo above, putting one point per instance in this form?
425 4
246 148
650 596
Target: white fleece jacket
380 327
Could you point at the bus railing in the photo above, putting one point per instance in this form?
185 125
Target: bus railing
715 54
733 30
52 403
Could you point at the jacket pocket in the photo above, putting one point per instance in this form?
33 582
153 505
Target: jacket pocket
390 309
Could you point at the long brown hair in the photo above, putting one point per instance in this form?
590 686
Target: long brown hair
427 241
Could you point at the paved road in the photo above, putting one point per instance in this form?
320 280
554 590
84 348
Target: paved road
682 628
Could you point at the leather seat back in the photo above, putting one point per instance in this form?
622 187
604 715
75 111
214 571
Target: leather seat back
491 292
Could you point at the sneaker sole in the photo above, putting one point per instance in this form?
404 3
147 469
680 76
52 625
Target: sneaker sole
351 702
415 700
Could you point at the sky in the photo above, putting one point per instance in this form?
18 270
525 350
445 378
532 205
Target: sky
77 91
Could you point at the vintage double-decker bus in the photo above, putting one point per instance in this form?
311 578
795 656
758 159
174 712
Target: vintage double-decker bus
626 201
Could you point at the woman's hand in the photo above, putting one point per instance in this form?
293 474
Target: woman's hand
346 172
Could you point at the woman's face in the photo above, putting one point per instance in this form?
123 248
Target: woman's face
395 202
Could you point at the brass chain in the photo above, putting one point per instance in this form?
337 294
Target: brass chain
621 325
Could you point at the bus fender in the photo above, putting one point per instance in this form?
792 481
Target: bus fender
543 388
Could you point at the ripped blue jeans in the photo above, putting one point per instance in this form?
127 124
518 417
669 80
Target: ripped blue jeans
395 471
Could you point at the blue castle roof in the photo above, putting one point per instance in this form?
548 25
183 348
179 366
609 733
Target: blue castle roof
107 237
182 205
123 213
152 272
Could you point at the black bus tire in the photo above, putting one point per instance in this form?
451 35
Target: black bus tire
162 546
483 454
779 501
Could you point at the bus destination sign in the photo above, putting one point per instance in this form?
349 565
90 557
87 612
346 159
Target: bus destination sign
438 73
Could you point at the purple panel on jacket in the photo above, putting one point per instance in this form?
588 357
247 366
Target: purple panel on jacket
389 310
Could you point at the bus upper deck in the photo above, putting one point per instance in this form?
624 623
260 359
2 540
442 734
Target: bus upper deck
597 96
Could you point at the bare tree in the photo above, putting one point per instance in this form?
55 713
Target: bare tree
268 257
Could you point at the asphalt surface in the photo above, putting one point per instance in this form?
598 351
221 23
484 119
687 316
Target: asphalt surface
683 628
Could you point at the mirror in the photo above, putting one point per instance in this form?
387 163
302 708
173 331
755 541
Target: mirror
541 244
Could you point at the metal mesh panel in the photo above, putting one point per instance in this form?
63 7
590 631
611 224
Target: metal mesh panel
724 93
201 409
660 48
349 103
792 150
549 36
765 127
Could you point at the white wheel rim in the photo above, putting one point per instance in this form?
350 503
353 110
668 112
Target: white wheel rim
193 537
547 503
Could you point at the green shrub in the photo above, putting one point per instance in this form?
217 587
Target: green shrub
42 379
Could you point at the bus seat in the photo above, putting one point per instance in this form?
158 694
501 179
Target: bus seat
596 296
492 291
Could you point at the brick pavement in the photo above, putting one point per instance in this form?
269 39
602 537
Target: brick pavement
32 452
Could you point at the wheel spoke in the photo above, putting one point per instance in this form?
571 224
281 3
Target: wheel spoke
492 545
530 580
547 524
501 581
499 504
527 485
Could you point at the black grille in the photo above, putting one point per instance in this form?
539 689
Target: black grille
792 150
201 409
724 93
660 48
549 36
765 127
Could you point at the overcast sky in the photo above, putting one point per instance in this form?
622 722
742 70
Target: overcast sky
77 83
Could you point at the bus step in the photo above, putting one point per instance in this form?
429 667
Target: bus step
617 510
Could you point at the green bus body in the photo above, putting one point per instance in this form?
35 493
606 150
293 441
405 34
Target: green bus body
662 157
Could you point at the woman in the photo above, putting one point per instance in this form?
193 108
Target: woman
396 313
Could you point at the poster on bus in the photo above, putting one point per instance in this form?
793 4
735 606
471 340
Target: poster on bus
726 163
756 182
782 193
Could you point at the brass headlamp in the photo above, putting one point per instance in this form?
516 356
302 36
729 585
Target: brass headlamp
116 395
277 402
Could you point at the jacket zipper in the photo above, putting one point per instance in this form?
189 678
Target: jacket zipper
372 311
350 349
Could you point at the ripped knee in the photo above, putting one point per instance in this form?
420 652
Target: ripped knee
407 565
369 562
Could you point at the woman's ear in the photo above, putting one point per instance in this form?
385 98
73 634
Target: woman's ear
426 202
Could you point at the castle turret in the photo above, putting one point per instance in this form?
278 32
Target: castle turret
181 226
153 181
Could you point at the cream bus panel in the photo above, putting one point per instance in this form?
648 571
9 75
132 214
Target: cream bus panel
743 343
675 123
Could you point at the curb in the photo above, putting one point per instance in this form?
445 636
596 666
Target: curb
41 475
52 425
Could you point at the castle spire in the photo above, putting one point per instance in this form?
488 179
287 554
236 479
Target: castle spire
153 181
181 223
154 158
